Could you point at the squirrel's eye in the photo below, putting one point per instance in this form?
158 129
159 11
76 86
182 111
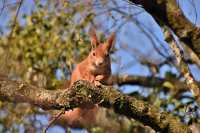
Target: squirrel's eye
93 54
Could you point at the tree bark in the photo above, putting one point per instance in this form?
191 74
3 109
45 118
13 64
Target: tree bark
81 92
167 12
172 84
150 81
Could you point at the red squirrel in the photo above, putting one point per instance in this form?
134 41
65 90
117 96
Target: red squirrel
95 68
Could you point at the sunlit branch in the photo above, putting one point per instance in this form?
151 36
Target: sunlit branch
81 92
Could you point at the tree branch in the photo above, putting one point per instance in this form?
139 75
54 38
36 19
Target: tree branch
15 19
175 85
167 12
18 91
183 66
82 91
149 81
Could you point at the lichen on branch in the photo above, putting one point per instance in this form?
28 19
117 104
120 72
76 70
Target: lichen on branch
81 92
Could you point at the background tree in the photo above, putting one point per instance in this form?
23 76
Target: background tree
156 58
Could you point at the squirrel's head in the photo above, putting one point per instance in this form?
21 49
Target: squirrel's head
100 53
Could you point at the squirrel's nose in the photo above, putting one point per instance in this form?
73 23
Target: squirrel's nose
100 62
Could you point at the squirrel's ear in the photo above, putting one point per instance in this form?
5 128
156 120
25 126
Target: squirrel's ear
111 40
93 38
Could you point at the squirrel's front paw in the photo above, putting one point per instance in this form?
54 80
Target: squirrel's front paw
99 77
97 83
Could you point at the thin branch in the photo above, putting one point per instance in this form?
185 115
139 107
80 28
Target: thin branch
145 30
195 11
182 65
149 81
53 120
192 56
15 19
3 3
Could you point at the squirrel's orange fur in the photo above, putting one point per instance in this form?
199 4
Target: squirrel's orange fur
96 68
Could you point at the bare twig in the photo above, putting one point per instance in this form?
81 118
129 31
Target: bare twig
145 30
54 119
3 3
195 11
192 55
11 33
15 19
6 5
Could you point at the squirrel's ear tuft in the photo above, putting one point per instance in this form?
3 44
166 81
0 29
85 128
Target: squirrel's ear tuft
93 38
111 40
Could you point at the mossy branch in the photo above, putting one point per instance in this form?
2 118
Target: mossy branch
82 91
